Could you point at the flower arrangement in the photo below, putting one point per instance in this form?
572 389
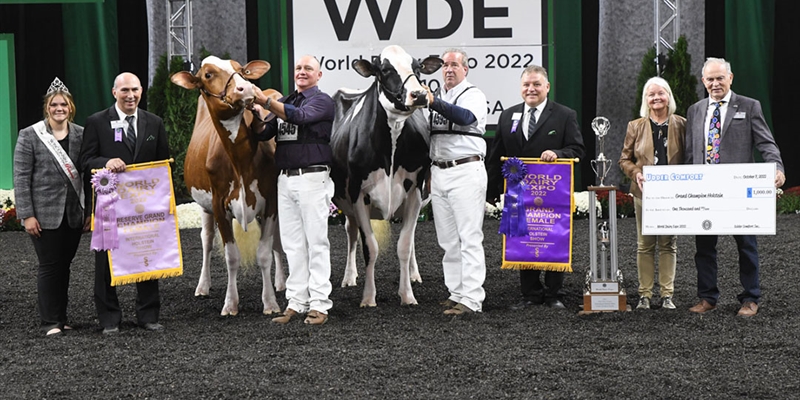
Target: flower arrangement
788 201
625 207
8 215
494 211
189 216
582 204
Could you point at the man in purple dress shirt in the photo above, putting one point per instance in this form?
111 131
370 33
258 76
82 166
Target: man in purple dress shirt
301 123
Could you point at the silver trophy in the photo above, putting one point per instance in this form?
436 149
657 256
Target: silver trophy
604 290
600 126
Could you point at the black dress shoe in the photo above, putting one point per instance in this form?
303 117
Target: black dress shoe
153 326
111 330
555 303
522 305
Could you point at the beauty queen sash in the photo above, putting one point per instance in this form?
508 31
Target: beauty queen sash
544 205
142 211
67 167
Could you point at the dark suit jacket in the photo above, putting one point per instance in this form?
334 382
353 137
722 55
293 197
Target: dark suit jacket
41 188
744 128
99 145
556 129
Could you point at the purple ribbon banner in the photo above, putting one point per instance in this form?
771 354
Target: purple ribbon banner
548 205
147 226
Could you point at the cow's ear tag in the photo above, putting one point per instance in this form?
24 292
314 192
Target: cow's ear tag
247 72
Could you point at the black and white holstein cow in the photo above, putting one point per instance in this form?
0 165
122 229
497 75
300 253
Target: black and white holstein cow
380 145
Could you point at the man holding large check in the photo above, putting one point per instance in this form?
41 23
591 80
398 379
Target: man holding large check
723 130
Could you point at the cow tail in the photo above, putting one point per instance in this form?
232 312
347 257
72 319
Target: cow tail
383 233
247 242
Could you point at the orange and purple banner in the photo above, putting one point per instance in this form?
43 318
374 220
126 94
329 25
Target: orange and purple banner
537 217
145 240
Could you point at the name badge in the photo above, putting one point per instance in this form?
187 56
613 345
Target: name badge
740 115
515 118
439 122
286 131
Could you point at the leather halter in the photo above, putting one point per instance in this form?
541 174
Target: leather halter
224 94
398 99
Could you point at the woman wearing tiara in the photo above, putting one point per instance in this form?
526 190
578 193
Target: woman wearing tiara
48 188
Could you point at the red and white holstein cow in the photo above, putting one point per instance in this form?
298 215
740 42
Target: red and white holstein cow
380 145
231 174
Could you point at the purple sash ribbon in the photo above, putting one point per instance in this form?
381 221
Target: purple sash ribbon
512 222
104 236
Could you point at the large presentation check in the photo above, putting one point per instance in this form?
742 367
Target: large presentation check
721 199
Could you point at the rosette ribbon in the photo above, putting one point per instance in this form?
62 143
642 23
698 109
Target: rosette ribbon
104 236
512 221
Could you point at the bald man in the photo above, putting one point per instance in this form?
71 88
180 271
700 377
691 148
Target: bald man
302 131
142 138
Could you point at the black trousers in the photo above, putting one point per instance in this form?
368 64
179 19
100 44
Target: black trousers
148 301
55 249
532 288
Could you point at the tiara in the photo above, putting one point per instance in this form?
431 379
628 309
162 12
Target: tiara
57 86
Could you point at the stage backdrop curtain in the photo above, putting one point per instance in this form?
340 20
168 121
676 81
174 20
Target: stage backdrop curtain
91 55
273 45
566 63
749 39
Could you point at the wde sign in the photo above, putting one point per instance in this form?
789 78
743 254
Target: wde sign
501 37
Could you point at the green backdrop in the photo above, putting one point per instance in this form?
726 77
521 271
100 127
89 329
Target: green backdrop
8 111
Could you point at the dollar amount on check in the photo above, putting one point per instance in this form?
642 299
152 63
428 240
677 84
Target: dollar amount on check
720 199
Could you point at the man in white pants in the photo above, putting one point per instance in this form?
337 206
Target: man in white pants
458 182
303 130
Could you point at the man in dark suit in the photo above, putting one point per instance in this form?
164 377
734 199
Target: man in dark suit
113 138
738 125
535 128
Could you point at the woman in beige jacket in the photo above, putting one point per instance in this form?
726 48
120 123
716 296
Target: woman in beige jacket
656 138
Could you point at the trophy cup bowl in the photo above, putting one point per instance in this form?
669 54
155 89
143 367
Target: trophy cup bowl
601 165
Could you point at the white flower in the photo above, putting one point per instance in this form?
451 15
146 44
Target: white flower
582 202
189 216
4 195
494 210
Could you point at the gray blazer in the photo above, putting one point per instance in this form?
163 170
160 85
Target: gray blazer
744 128
41 189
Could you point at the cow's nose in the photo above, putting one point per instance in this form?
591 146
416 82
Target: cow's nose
240 89
420 97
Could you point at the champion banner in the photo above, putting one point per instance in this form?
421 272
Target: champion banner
545 195
143 239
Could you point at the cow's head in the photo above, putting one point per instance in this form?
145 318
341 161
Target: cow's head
397 75
223 82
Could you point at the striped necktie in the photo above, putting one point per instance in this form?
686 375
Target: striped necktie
531 122
131 133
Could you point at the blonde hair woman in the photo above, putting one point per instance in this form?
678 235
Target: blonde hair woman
657 138
49 197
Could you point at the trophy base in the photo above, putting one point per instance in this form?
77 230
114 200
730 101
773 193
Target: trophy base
600 299
601 188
